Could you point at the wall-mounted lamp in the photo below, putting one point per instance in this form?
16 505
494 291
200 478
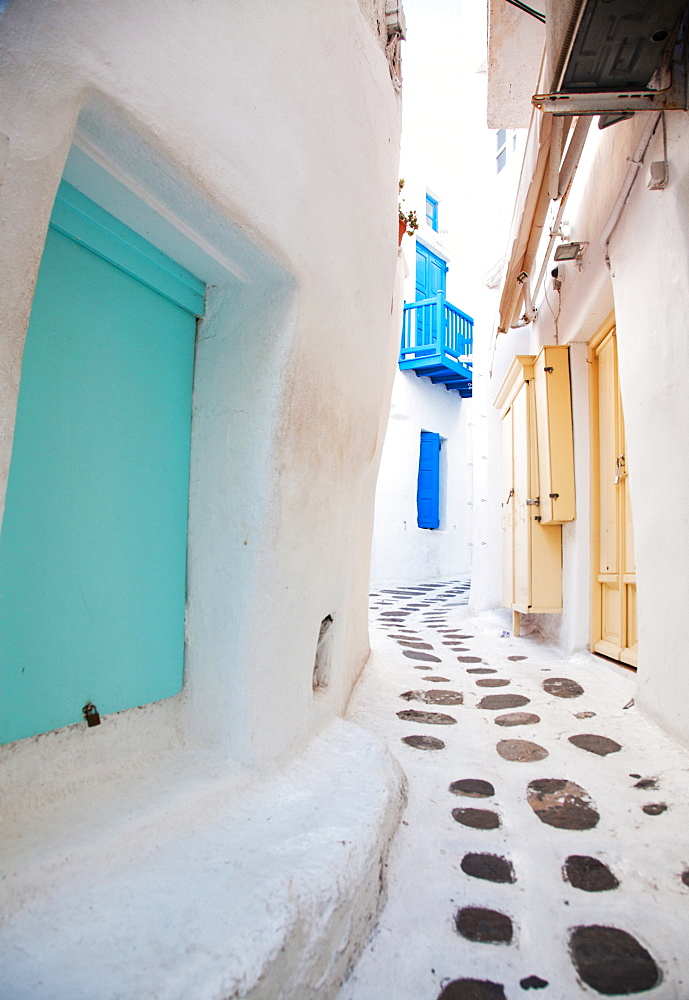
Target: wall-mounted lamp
570 251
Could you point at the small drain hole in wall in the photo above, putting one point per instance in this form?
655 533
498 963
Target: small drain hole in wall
321 667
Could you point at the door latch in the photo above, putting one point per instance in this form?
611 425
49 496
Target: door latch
620 469
533 503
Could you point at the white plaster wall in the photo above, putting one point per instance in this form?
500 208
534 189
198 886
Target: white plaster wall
648 253
262 141
648 288
254 147
515 46
401 550
455 159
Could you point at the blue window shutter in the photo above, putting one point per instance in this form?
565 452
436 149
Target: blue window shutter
428 490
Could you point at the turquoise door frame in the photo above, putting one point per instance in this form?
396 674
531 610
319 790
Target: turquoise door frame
93 541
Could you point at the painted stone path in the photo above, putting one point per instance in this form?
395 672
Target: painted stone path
544 851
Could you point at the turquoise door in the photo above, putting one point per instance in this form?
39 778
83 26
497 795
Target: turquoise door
93 542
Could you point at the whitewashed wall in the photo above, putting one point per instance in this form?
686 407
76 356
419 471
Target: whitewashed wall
648 288
235 141
401 550
453 156
258 144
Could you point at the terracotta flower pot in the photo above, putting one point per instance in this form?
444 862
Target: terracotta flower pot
402 231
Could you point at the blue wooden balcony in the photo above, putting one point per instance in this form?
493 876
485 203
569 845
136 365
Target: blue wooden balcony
437 340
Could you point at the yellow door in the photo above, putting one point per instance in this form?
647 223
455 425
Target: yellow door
522 479
614 583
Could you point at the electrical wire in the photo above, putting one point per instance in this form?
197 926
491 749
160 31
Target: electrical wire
528 10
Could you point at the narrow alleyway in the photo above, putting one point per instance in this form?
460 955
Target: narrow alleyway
544 848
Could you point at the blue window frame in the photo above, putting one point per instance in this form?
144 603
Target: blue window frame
432 212
428 489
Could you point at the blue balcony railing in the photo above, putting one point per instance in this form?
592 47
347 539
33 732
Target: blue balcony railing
437 341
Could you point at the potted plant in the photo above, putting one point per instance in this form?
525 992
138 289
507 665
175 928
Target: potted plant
408 222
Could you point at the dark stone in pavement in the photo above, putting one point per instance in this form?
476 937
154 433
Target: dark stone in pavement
533 983
481 670
600 745
435 697
487 926
415 644
521 750
470 659
611 961
491 867
516 658
426 657
562 804
655 808
562 687
436 680
584 715
517 719
474 788
429 718
424 742
477 819
494 702
646 783
492 682
685 877
589 874
472 989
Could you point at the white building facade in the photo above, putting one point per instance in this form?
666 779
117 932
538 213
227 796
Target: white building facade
613 200
199 167
459 179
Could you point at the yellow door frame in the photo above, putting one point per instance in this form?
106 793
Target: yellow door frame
626 654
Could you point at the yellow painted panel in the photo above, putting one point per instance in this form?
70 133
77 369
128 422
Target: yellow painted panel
632 637
520 371
607 455
614 598
611 614
546 567
554 435
507 512
522 491
629 560
532 552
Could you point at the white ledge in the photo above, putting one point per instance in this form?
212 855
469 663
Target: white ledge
215 893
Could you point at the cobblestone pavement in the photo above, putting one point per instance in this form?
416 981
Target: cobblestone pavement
544 850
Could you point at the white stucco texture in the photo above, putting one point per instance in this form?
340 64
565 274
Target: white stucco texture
174 851
401 550
645 289
651 285
260 890
268 142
